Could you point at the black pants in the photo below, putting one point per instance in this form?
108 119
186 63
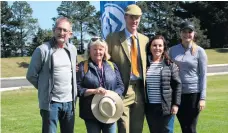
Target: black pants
157 122
188 112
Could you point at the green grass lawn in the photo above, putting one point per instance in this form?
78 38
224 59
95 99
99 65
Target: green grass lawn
20 112
217 56
17 66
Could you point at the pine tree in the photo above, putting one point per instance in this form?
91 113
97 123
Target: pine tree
40 37
159 17
82 14
24 24
213 19
6 30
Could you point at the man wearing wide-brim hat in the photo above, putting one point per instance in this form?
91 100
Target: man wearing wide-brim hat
127 50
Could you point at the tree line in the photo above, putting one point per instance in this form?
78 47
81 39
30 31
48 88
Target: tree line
21 34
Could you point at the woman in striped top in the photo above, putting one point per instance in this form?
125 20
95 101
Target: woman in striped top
163 87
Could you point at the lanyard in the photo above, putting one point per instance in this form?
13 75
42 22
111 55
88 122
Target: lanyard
101 76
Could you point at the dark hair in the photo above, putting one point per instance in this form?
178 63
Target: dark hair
165 55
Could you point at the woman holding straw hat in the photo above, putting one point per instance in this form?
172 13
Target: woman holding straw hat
100 89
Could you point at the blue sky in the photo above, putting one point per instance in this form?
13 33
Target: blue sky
44 11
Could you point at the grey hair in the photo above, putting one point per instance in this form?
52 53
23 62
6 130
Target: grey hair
99 43
58 20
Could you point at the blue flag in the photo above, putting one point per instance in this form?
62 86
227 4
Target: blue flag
112 16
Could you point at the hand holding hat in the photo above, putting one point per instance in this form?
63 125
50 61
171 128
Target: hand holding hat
107 108
100 90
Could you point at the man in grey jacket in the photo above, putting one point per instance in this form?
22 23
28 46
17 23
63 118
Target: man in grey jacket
52 71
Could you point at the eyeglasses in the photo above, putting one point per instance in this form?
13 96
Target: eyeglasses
93 39
58 29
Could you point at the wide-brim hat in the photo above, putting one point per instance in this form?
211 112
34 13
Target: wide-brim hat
133 9
107 108
187 25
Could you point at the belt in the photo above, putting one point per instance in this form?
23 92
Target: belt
135 82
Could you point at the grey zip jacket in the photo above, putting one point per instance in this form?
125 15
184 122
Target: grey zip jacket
40 71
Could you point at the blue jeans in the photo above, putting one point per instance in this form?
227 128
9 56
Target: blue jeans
59 112
171 124
94 126
157 122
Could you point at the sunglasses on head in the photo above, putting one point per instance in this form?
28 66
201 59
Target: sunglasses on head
97 38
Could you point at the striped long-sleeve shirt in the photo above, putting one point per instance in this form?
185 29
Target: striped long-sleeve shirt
153 80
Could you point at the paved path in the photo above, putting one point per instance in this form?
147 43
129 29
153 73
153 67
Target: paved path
21 82
217 69
6 83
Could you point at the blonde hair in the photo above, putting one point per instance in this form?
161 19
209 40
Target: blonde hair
194 47
99 42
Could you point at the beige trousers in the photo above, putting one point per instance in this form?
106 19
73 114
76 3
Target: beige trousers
133 116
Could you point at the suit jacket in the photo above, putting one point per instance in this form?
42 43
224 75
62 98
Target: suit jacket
118 49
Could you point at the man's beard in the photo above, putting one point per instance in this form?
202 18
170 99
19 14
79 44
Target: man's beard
61 40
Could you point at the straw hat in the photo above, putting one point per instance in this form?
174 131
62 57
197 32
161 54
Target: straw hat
107 108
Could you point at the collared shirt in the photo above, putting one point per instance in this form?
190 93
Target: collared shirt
129 42
193 68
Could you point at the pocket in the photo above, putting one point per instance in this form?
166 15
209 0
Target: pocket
54 106
130 96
